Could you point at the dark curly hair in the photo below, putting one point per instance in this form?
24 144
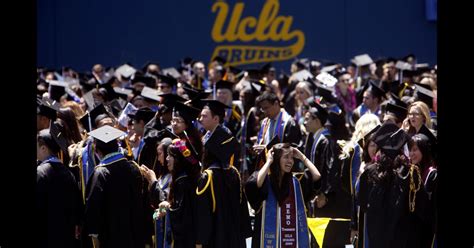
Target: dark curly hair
281 190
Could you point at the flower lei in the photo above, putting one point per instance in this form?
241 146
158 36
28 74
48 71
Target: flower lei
181 145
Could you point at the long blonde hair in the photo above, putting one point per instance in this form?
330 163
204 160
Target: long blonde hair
424 109
363 126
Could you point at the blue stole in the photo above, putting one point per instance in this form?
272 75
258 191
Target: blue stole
271 219
163 232
51 159
355 166
88 161
140 147
278 129
316 140
111 158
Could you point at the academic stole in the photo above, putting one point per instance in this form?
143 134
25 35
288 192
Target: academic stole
354 168
292 229
88 162
163 231
278 129
316 140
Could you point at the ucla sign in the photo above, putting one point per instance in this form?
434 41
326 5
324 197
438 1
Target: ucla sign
246 33
268 26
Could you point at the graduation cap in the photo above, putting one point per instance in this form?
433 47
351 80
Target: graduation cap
188 113
362 60
169 100
254 74
123 118
217 107
222 145
57 89
148 81
150 94
384 132
426 131
46 108
125 71
194 93
398 101
223 84
257 87
375 89
302 64
145 114
326 92
171 72
424 93
392 144
88 120
398 111
302 75
123 92
327 79
117 106
317 110
239 73
262 156
106 133
362 140
267 68
220 60
330 67
58 136
170 80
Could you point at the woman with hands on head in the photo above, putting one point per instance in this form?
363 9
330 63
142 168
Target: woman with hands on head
275 188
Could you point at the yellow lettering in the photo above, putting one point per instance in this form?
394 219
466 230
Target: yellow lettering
222 9
268 14
250 22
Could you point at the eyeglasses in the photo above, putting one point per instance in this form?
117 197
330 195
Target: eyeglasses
414 114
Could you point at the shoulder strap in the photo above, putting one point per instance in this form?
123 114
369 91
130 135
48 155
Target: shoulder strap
209 182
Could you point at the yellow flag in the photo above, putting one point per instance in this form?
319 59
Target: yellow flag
318 227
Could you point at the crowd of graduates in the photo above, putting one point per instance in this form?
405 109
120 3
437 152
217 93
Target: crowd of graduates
218 156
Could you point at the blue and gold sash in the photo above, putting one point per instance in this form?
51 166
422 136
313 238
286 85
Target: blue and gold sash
293 215
163 232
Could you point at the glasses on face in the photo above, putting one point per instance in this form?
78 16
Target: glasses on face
414 114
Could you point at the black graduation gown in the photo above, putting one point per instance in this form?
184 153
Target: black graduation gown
114 206
233 123
384 204
183 212
257 195
58 206
229 225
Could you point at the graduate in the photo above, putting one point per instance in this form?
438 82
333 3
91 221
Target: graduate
278 197
223 216
114 204
58 200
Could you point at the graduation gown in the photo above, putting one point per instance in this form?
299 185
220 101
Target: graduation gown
257 195
232 119
58 205
114 206
182 213
223 216
385 210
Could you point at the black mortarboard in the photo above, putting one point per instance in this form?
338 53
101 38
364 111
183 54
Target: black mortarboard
258 87
170 80
318 110
46 108
223 84
56 89
217 107
106 133
123 92
188 113
326 92
266 68
426 131
117 105
170 99
220 60
393 143
424 93
254 74
239 73
58 136
364 139
90 116
170 72
375 89
148 81
145 114
399 111
194 93
384 132
398 101
222 145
